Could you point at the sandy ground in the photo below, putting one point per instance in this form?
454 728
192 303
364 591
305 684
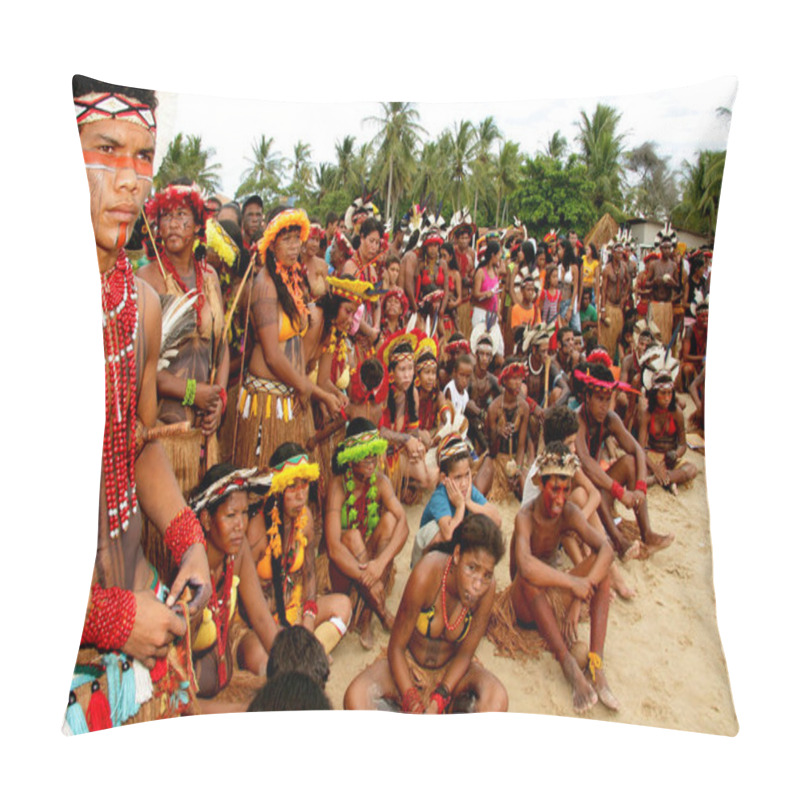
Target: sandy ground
663 655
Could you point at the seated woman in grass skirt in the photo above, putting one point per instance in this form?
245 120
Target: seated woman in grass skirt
281 540
221 504
430 666
662 428
365 525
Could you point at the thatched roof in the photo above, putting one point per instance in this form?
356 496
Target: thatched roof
605 230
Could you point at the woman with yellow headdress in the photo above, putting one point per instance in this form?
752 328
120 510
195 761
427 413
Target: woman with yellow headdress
273 403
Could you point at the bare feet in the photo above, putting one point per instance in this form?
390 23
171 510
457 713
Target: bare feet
656 541
604 692
618 584
583 695
633 551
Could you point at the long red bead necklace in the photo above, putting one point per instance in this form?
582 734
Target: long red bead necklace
120 328
463 613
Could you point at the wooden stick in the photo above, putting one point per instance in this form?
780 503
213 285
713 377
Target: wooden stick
155 249
328 430
244 349
165 431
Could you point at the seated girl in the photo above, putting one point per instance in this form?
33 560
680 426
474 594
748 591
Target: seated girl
430 666
221 504
281 539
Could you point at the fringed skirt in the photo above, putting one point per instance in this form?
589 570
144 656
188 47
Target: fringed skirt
608 335
269 414
502 485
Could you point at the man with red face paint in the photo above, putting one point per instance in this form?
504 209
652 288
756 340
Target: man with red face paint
624 480
549 600
125 620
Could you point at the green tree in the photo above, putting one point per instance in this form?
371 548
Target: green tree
459 146
702 186
486 134
556 147
346 175
186 158
302 171
396 144
430 176
554 195
506 172
601 147
653 192
265 175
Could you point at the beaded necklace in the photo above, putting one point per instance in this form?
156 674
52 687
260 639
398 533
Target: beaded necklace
338 348
120 328
293 281
219 606
463 613
351 515
199 269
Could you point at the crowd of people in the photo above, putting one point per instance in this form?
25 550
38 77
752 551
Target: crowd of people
280 390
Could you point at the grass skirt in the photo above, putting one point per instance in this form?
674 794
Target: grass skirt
269 414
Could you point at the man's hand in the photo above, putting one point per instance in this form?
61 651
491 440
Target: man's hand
153 630
211 421
660 471
194 574
581 587
569 628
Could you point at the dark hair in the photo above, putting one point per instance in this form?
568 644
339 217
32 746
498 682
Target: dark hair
254 199
235 232
447 464
411 406
330 304
296 649
291 691
599 371
652 399
593 249
82 85
392 258
331 216
476 532
281 453
559 423
238 210
547 274
492 249
354 426
529 252
448 248
369 225
372 372
462 358
562 332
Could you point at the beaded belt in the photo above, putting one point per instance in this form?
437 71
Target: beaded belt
284 398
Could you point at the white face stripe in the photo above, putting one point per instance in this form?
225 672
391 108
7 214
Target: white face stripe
114 170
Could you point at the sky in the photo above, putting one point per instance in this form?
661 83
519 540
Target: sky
681 121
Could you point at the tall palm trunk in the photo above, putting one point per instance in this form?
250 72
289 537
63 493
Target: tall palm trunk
389 193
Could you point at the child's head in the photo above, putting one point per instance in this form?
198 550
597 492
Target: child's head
462 372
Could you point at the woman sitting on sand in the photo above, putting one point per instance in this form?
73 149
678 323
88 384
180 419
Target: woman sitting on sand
430 666
662 428
221 505
282 543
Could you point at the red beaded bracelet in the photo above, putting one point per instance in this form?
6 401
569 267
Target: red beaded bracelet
641 486
109 620
441 696
412 702
310 607
223 396
184 531
617 490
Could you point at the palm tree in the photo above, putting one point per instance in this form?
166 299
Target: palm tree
265 174
301 169
430 176
556 147
460 145
396 144
506 172
186 158
654 193
486 133
345 153
701 192
601 151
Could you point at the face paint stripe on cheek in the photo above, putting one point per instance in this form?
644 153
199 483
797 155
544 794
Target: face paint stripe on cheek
95 160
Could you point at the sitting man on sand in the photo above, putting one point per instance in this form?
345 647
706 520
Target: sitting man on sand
624 480
537 587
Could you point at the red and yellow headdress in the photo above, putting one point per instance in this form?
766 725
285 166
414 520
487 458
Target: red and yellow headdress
516 369
387 351
290 218
220 241
427 350
360 394
353 290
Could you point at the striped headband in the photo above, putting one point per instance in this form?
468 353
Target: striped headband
97 106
